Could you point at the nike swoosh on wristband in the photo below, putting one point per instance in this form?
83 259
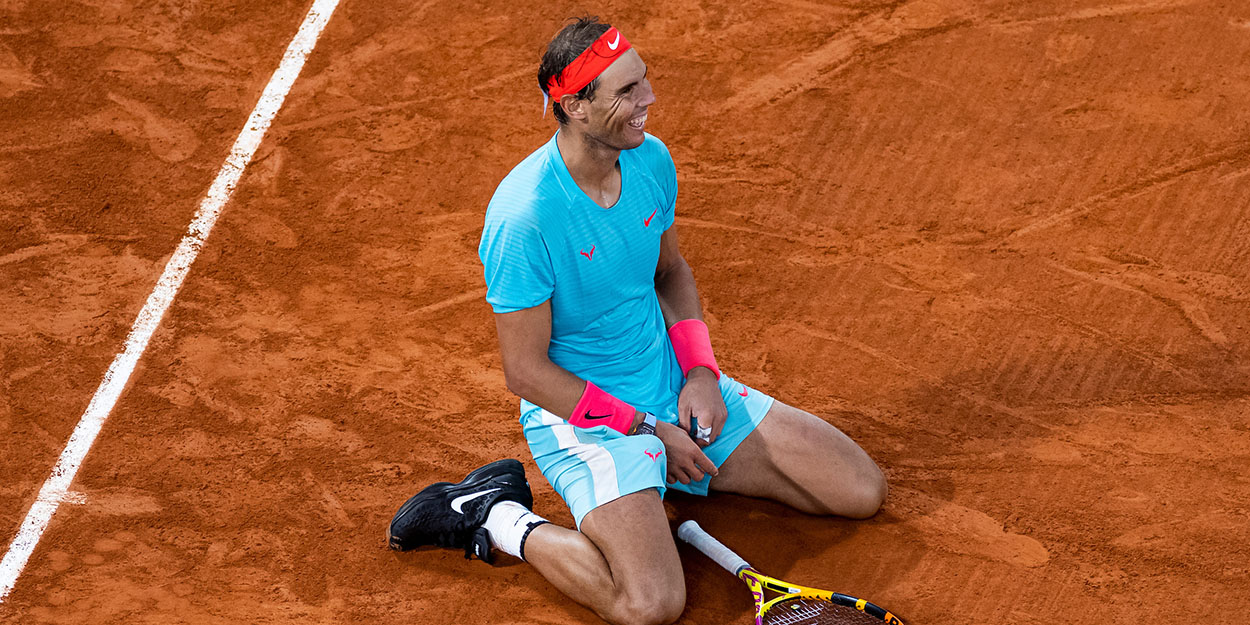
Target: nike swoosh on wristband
612 45
602 416
457 504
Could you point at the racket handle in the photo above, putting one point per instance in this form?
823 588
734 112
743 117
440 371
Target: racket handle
712 548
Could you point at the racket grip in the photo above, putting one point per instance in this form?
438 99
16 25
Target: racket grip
712 548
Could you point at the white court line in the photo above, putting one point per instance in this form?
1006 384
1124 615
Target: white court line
54 489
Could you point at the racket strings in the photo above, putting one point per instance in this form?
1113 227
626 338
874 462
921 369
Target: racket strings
815 612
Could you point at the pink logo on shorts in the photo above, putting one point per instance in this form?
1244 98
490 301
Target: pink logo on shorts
654 455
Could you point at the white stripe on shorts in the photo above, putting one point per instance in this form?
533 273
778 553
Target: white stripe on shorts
598 460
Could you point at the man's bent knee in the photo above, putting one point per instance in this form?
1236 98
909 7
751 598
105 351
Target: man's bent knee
646 613
865 497
855 497
660 608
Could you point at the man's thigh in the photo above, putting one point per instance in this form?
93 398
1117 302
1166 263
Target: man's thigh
800 460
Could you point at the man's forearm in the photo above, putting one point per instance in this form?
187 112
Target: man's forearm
556 390
678 294
545 384
679 300
524 338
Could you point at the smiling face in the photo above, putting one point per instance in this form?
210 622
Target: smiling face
616 116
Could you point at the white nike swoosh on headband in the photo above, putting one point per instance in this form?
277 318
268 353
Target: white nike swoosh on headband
616 42
458 503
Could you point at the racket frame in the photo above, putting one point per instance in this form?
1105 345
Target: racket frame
757 582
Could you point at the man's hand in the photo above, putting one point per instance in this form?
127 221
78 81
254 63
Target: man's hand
686 462
700 398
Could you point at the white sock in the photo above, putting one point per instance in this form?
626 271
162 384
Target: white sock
509 524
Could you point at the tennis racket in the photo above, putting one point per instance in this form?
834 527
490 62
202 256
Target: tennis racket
796 605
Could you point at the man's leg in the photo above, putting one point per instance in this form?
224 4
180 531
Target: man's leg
800 460
623 563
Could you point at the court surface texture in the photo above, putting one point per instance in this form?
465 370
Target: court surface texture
1003 244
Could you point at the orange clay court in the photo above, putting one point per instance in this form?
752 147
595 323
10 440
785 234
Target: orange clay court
1002 244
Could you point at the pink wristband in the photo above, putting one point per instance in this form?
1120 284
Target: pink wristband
597 407
693 346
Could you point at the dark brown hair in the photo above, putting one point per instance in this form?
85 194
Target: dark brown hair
564 48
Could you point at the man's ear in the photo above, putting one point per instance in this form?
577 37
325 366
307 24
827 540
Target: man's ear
573 106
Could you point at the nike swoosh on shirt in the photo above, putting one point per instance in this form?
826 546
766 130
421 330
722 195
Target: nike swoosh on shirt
458 503
612 45
646 223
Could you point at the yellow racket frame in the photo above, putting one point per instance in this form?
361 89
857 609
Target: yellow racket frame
758 582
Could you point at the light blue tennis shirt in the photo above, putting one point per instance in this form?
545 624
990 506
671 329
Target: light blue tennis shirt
544 239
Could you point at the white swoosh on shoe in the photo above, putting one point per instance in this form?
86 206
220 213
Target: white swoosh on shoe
458 503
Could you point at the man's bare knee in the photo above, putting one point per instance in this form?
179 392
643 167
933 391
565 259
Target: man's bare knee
867 496
645 613
856 497
661 607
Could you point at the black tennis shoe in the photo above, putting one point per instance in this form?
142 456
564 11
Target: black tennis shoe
451 515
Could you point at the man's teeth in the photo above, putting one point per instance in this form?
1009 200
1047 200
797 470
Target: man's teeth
638 122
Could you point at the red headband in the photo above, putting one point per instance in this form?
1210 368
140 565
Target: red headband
587 66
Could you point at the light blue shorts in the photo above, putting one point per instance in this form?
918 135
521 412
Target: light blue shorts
589 467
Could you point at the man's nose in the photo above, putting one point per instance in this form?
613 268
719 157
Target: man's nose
648 96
